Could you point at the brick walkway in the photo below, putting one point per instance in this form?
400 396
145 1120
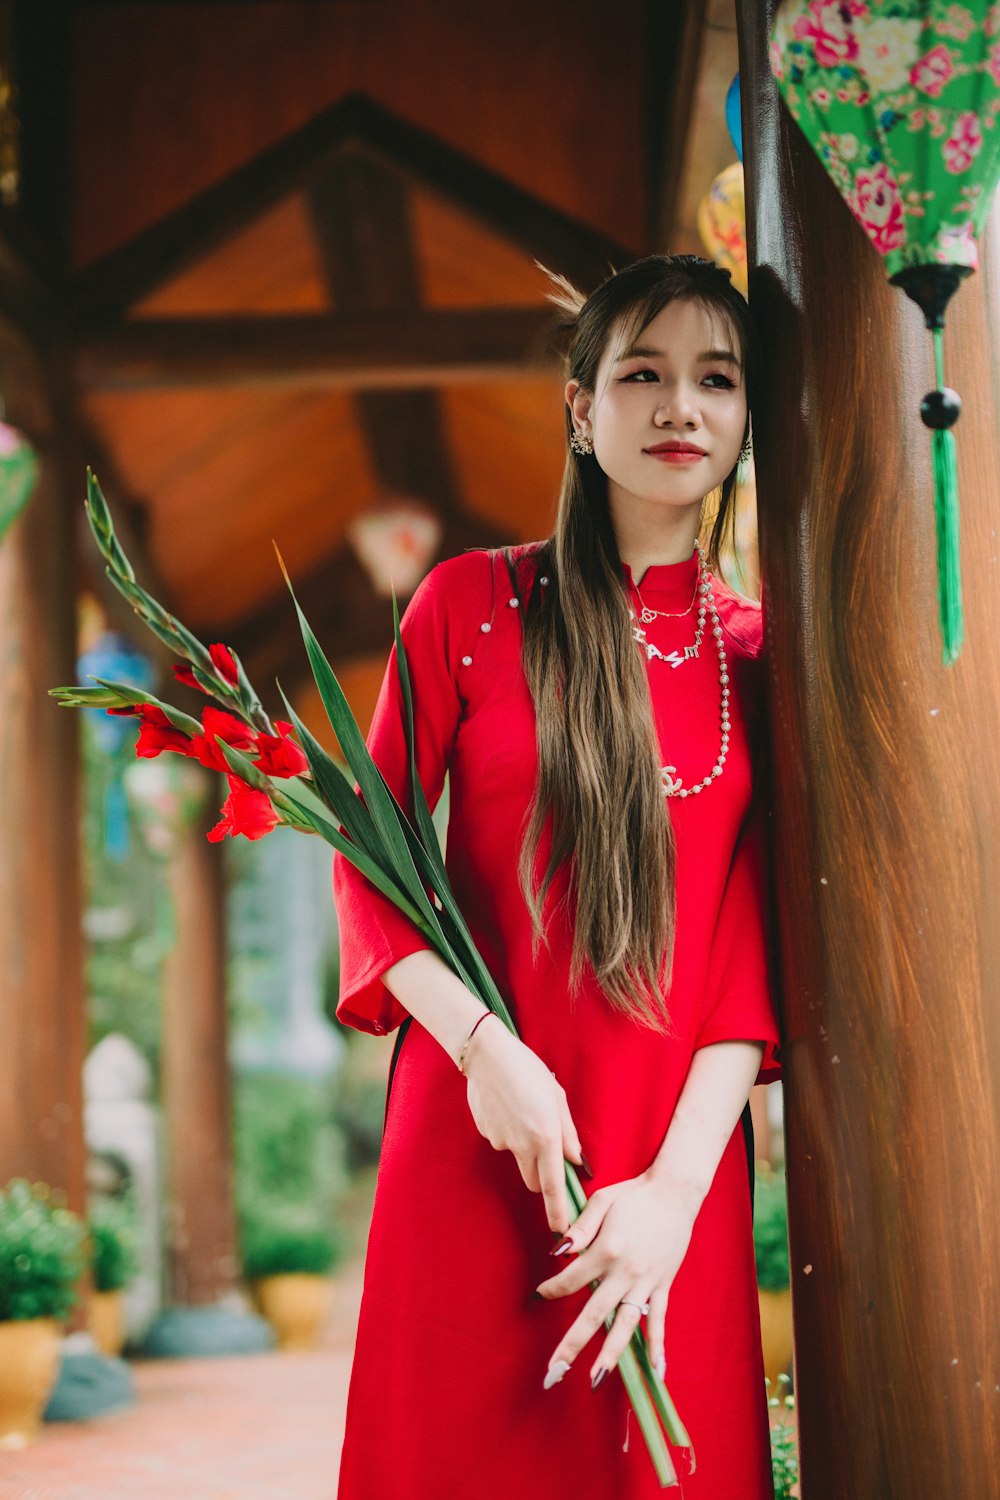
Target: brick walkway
260 1427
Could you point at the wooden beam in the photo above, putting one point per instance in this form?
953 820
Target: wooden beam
334 351
106 289
361 216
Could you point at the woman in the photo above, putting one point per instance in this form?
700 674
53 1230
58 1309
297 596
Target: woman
597 701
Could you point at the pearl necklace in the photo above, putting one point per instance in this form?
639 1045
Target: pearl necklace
671 781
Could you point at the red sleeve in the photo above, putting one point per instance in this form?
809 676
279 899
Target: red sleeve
740 1005
373 932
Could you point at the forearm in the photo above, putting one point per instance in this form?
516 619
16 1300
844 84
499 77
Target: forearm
436 997
713 1098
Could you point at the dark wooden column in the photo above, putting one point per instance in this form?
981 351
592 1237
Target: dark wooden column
201 1245
41 970
887 835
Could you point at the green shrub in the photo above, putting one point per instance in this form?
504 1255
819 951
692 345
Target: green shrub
42 1253
289 1152
784 1445
273 1249
113 1244
770 1229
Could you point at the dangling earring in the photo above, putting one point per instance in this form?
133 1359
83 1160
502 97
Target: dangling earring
746 449
581 442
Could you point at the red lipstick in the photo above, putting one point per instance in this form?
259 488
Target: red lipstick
676 452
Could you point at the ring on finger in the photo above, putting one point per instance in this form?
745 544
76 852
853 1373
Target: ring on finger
640 1307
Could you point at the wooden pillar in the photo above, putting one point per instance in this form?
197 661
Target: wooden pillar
42 1026
201 1241
887 832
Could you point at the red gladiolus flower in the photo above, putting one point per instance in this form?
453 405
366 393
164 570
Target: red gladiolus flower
224 662
278 755
156 733
245 811
215 721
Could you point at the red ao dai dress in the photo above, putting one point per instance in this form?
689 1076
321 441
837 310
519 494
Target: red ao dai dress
446 1398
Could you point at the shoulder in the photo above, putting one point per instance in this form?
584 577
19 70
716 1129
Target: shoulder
741 618
472 580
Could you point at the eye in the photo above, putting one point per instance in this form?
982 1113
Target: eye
636 375
727 384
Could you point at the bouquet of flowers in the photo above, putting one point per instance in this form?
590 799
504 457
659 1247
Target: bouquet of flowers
277 779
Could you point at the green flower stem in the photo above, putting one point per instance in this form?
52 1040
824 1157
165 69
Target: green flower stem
175 636
118 695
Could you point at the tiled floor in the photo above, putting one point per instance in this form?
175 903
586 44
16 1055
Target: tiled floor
261 1427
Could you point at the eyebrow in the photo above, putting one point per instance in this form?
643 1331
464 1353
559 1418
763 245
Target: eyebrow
710 356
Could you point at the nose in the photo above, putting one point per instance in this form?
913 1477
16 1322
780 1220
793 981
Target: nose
677 407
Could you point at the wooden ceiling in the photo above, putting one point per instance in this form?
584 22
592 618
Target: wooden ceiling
301 274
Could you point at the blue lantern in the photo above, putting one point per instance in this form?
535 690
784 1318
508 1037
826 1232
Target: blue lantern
734 115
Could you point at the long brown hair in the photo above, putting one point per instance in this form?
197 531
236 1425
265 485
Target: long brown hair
599 780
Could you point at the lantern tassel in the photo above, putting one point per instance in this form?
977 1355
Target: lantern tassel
946 524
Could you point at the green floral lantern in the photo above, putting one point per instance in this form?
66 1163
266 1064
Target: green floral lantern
899 99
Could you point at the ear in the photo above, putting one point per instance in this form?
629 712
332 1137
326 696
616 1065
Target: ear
579 402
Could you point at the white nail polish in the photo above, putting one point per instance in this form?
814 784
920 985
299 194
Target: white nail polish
553 1376
660 1366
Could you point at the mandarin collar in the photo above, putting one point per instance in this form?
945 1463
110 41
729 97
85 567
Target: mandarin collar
667 581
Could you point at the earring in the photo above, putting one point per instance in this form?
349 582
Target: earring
581 442
746 449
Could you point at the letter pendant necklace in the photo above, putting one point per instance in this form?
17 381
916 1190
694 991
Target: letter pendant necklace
672 786
647 615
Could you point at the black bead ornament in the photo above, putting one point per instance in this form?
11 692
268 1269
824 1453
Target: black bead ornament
941 409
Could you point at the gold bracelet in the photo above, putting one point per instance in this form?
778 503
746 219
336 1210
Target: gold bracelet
468 1039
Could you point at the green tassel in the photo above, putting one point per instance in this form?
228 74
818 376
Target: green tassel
946 524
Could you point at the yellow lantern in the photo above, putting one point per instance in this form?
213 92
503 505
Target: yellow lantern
722 223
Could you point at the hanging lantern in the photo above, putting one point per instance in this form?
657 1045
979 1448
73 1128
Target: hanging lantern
899 99
395 542
722 224
18 468
734 115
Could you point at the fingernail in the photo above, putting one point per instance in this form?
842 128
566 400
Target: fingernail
660 1366
538 1295
553 1376
597 1379
585 1166
564 1244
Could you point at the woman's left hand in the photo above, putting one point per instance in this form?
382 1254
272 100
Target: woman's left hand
631 1237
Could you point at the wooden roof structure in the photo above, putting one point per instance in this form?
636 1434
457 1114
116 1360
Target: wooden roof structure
299 272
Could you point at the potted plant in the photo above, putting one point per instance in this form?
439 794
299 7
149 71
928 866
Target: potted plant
41 1259
770 1232
287 1266
114 1262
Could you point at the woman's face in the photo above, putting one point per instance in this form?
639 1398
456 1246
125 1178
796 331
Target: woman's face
668 414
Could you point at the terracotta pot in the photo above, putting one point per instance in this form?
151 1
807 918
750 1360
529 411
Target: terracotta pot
106 1321
29 1365
296 1305
776 1334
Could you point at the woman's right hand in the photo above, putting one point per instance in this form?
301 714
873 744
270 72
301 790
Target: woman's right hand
519 1106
